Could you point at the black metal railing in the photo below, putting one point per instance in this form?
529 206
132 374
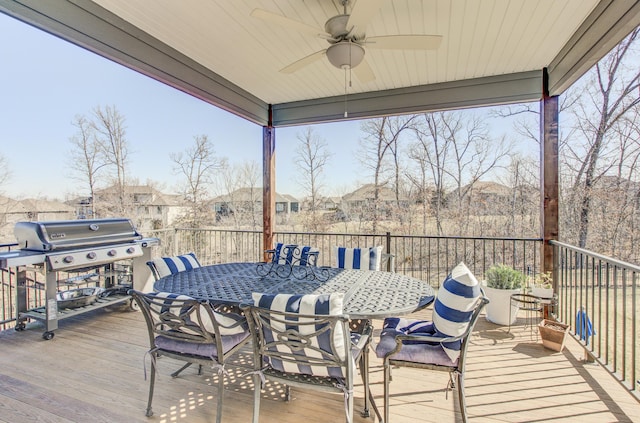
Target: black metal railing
598 297
429 258
34 290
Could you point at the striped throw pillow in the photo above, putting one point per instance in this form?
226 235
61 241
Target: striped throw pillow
294 254
165 266
324 304
454 306
358 258
228 323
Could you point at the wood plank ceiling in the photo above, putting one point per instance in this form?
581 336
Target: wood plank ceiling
492 51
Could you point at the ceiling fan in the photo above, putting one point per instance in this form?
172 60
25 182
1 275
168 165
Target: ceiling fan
346 35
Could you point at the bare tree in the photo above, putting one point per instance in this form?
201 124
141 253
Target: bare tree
381 135
431 152
110 132
5 172
474 155
311 156
85 158
242 194
609 93
197 164
523 180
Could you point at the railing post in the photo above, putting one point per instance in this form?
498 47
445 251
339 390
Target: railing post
388 249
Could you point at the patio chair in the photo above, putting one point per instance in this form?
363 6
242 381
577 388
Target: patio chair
440 344
363 258
165 266
189 330
294 255
304 341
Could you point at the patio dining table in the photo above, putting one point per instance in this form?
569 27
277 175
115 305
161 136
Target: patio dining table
367 294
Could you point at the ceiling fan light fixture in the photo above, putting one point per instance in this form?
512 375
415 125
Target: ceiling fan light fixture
345 54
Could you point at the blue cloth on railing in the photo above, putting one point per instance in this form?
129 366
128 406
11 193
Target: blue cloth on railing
584 328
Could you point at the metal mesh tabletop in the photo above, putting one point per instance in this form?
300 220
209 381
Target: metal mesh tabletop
368 294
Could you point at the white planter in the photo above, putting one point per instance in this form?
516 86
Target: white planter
542 292
497 311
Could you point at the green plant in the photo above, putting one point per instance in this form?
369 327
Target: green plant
500 276
543 280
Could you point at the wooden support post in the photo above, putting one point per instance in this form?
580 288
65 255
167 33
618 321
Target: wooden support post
268 188
549 210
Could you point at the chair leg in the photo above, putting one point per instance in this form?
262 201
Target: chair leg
257 388
152 382
177 372
461 398
220 395
387 380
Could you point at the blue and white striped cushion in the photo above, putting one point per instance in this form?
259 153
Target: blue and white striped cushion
283 253
454 306
358 258
165 266
293 254
325 304
228 323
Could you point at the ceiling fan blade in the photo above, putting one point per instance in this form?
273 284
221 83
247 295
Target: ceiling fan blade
287 23
299 64
364 73
404 42
361 14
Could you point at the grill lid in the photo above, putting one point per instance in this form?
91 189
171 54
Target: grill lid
63 234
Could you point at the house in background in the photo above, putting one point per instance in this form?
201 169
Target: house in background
149 208
249 200
361 200
13 211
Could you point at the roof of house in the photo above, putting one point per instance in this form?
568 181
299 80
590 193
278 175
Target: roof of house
366 192
251 194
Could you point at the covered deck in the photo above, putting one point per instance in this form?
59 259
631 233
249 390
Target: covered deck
93 371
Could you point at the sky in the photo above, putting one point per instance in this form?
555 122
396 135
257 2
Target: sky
45 82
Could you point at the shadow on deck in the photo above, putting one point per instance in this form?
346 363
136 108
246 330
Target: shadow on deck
93 371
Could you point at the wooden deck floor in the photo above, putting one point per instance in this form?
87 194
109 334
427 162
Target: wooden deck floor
92 371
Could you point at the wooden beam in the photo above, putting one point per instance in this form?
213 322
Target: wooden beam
268 187
500 89
549 210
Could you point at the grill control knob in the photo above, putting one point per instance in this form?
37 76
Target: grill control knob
112 253
92 255
68 259
131 250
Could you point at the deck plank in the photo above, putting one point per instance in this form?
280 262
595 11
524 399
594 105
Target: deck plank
93 371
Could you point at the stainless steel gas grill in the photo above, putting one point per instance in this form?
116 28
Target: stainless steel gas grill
75 245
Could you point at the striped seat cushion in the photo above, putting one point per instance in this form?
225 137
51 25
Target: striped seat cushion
165 266
325 304
454 306
358 258
416 352
294 254
228 323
